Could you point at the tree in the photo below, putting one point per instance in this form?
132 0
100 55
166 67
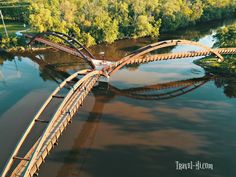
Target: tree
96 21
226 36
146 27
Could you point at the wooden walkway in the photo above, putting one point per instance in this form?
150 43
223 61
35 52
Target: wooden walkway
69 105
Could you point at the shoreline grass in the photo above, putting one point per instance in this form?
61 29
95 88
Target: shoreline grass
210 64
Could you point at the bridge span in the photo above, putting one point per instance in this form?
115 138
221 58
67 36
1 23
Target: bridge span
141 55
81 83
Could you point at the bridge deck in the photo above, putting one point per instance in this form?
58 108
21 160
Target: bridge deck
56 128
63 115
141 59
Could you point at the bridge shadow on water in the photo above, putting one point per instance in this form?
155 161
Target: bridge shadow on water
149 146
146 139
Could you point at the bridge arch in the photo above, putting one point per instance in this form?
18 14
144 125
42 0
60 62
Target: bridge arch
73 43
63 114
64 108
155 46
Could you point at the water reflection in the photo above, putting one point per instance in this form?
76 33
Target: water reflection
123 137
162 91
228 84
58 70
123 47
16 75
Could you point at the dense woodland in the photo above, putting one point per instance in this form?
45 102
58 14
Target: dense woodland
96 21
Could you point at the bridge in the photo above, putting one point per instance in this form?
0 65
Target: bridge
71 93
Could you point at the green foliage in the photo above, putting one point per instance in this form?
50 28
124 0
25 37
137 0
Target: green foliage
12 41
99 21
145 26
226 36
16 10
46 15
214 9
87 39
226 67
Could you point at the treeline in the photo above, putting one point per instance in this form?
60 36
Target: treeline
95 21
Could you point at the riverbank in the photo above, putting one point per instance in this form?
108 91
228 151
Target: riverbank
225 68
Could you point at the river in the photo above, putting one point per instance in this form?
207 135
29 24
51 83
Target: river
134 126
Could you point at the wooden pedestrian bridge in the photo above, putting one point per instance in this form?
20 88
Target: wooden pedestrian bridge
30 151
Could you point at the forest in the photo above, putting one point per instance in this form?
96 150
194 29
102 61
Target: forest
96 21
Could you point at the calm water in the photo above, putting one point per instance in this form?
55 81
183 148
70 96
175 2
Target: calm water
129 127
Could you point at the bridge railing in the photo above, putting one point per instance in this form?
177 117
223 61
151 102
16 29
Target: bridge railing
36 119
64 113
